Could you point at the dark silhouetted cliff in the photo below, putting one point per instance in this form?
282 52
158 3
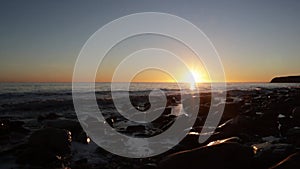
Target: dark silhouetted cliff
286 79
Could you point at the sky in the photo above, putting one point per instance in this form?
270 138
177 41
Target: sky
256 40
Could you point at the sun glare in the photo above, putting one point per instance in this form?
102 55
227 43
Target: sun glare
196 76
193 78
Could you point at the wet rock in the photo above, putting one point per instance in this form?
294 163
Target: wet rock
11 132
293 136
264 127
281 105
231 110
137 128
57 140
8 126
203 110
248 125
228 99
163 122
81 164
190 141
227 140
291 162
50 116
271 139
296 113
82 138
73 126
122 125
113 119
205 99
173 100
46 146
167 111
223 155
164 111
285 123
38 157
240 125
268 154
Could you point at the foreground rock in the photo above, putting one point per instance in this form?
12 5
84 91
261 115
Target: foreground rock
47 146
222 155
243 127
260 128
268 154
71 125
12 134
291 162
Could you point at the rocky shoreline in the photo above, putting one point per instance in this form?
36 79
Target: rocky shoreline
259 129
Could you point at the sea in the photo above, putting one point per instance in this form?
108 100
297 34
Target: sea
28 92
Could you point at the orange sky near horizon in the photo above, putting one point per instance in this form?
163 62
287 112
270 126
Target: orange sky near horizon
147 76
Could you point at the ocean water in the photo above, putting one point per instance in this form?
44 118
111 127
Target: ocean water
67 87
25 92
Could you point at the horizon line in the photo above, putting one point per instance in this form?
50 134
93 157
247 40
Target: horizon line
127 82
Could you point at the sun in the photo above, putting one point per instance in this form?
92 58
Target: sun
197 76
193 77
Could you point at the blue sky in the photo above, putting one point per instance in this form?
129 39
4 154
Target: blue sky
256 40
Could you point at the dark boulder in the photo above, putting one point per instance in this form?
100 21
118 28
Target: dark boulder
231 110
50 116
296 113
8 126
268 154
56 140
291 162
248 125
38 157
293 136
223 155
73 126
11 132
136 128
49 145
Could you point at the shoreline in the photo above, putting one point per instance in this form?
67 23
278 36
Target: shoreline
262 120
